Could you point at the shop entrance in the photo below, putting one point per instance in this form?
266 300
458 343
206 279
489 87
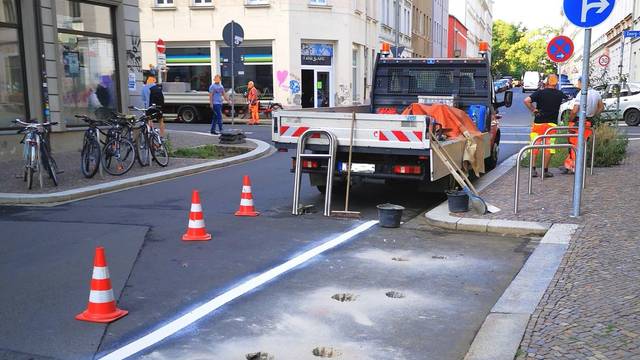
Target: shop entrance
316 87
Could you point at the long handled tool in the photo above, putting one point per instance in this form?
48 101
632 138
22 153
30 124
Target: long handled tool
346 213
478 204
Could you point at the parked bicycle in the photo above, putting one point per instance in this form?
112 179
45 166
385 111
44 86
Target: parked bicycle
149 143
118 154
37 151
91 151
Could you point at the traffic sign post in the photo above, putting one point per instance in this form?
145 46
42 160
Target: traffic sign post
161 58
233 36
585 14
560 49
604 60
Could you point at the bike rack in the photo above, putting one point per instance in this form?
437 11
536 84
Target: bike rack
520 153
300 155
593 141
560 136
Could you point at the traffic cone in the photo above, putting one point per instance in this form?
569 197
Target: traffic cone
102 305
196 229
246 200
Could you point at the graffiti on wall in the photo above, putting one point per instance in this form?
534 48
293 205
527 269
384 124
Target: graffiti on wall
343 95
291 84
134 56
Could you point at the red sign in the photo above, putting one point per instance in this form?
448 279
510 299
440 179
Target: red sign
560 49
604 60
160 47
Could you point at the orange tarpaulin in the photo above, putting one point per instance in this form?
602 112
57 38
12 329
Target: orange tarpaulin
454 121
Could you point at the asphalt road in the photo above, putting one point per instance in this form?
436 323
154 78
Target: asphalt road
47 254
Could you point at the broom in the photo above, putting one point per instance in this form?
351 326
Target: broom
346 213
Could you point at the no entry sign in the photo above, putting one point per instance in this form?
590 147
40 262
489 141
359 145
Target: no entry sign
160 46
560 49
604 60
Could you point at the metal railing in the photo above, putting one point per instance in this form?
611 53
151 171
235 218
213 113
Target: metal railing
593 141
520 153
560 136
300 155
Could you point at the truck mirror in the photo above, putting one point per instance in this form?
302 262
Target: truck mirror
508 98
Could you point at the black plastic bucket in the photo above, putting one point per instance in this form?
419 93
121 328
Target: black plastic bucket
390 215
458 201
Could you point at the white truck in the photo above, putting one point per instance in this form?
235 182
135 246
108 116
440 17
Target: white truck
388 145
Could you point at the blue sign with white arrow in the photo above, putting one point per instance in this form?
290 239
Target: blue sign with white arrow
588 13
632 33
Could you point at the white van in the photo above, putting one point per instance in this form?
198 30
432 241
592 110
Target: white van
530 81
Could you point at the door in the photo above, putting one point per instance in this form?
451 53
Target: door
307 97
322 89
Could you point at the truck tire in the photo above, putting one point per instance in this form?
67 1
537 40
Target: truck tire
632 117
188 114
491 162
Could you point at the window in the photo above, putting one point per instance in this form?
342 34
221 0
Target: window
256 2
165 3
188 69
12 83
385 11
253 64
86 47
318 2
202 3
354 69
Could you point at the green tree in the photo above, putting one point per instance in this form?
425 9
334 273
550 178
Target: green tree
505 35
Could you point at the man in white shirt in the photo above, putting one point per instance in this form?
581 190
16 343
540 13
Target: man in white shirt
594 108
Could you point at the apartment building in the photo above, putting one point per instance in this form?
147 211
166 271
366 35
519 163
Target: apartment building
394 12
305 53
440 27
421 35
477 17
457 38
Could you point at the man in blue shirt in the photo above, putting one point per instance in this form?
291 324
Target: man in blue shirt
157 100
216 96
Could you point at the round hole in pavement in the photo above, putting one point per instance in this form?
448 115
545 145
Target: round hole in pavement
259 356
439 257
344 297
326 352
398 258
395 294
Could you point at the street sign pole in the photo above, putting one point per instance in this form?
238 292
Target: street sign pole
620 82
579 164
233 75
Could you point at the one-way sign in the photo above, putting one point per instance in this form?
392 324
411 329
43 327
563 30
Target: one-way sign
632 33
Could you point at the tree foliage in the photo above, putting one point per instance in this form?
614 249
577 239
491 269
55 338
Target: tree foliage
515 49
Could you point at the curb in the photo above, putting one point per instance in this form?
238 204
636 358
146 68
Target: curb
49 199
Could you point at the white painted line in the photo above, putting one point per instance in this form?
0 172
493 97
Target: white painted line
514 142
634 139
514 134
220 300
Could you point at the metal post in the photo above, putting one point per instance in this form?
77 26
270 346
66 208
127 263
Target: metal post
619 78
233 75
397 40
577 186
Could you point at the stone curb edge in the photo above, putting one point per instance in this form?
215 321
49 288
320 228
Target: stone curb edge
49 199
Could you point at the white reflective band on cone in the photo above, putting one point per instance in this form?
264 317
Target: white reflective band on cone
196 207
246 202
101 296
100 272
196 224
246 189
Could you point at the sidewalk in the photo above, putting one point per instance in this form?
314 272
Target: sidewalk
591 308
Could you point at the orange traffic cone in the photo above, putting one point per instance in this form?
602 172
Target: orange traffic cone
196 229
102 305
246 200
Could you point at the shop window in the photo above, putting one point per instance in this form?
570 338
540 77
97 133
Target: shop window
12 83
89 82
202 3
252 64
188 69
164 3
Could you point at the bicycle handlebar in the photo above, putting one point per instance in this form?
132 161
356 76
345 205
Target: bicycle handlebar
33 125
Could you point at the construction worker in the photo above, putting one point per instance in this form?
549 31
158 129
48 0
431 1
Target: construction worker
594 108
254 104
216 97
546 111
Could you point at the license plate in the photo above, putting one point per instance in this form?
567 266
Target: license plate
358 168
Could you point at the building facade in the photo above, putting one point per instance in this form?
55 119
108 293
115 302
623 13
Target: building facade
421 36
440 27
59 58
306 53
477 17
457 38
398 12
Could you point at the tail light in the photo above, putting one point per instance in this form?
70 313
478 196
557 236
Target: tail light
307 164
407 170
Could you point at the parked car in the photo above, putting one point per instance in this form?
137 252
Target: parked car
509 80
531 81
570 91
501 85
629 104
517 83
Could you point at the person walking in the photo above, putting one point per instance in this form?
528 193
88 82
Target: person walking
152 96
216 97
546 111
595 106
254 104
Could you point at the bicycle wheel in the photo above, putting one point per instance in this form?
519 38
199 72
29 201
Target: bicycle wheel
49 164
90 158
29 165
28 175
142 148
159 150
118 157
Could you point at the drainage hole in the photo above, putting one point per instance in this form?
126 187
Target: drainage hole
395 294
326 352
259 356
345 297
439 257
399 259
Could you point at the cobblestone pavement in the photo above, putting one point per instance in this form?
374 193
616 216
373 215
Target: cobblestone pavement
71 177
591 309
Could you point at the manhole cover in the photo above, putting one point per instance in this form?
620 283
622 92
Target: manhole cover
260 356
440 257
326 352
395 294
397 258
345 297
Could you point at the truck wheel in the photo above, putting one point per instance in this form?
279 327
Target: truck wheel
491 162
188 114
632 117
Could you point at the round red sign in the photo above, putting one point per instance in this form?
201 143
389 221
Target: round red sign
604 60
160 47
560 49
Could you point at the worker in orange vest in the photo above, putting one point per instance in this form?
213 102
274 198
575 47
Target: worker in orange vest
254 104
594 108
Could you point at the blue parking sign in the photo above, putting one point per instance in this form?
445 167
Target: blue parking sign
588 13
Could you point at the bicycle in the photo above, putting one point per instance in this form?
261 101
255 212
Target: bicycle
37 151
91 151
149 142
118 154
